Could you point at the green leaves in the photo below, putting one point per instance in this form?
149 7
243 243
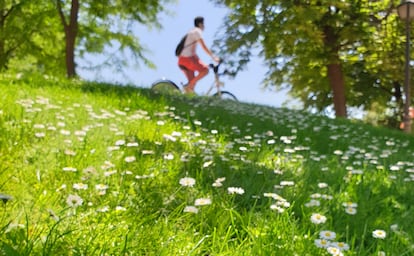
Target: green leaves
96 27
298 39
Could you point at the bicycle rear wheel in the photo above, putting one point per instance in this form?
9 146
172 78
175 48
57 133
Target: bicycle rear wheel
225 95
165 86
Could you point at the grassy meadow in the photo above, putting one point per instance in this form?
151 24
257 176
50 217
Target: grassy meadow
97 169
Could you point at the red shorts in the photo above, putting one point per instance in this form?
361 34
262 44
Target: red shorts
192 63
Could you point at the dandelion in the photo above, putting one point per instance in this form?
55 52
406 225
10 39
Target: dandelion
202 201
234 190
74 201
380 234
187 182
317 218
191 209
328 235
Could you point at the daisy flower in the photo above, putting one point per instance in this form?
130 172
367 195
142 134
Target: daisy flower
202 201
191 209
234 190
340 245
322 243
328 235
80 186
74 201
380 234
334 251
187 182
313 203
130 159
317 218
350 210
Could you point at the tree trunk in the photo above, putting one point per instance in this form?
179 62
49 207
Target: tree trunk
336 80
335 73
71 31
70 55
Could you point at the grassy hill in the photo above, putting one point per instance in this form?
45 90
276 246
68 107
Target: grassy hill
98 169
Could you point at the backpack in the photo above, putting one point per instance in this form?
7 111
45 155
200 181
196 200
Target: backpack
180 46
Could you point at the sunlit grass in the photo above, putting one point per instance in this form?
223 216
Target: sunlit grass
97 169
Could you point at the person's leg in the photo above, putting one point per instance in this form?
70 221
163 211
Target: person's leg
202 70
183 64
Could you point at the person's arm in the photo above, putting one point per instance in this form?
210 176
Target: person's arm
205 48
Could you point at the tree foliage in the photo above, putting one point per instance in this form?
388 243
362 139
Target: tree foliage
29 35
97 26
328 53
50 35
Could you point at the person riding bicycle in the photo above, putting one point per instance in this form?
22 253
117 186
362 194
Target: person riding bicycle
188 60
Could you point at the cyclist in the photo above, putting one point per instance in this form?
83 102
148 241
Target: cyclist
188 60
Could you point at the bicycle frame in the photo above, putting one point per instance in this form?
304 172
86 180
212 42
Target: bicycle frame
217 83
165 85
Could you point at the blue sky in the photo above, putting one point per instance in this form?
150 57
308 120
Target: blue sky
161 46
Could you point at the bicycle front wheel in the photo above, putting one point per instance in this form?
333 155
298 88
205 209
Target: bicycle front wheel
165 86
225 95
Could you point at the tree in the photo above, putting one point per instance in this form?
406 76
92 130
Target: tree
324 51
24 42
91 26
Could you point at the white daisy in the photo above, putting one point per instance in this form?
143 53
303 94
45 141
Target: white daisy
380 234
317 218
74 201
187 182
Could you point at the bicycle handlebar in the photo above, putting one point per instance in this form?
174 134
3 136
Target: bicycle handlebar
215 67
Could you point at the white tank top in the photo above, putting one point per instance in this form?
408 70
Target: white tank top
190 44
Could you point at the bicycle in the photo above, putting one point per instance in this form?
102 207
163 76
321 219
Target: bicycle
167 86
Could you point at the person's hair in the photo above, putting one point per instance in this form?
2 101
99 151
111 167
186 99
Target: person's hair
198 20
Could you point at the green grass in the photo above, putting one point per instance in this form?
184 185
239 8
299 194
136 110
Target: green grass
123 151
